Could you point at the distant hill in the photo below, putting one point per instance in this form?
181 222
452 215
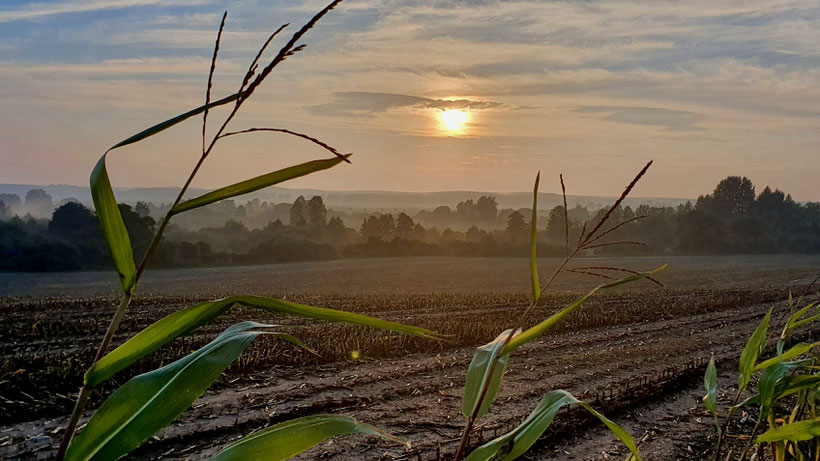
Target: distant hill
354 200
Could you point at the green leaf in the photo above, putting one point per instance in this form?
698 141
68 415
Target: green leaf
536 286
805 321
796 351
105 203
483 374
149 402
750 353
186 320
148 132
259 182
796 316
796 432
516 442
710 382
536 331
292 437
795 384
113 227
769 383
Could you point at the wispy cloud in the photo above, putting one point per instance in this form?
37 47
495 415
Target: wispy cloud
360 103
41 10
673 120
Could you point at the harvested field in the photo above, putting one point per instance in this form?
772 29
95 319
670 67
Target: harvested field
637 353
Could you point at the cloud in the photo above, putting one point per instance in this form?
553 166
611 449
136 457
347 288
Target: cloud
41 10
366 104
673 120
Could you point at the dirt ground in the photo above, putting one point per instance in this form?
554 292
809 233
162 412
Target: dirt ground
645 373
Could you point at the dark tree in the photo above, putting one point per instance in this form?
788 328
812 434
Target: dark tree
486 208
317 213
298 213
734 195
516 227
73 221
404 226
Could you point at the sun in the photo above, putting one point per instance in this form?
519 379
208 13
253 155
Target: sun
453 119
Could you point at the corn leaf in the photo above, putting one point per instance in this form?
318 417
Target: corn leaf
149 402
805 321
752 351
796 351
710 382
105 203
259 182
516 442
797 432
148 132
186 320
536 331
536 286
796 316
292 437
483 374
769 383
113 227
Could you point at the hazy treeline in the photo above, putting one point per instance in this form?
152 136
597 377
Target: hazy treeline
732 219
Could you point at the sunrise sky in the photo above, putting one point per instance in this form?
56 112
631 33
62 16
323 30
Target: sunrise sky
592 90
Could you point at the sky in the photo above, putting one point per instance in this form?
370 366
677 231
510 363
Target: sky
589 89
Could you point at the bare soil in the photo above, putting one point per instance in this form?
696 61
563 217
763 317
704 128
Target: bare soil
638 356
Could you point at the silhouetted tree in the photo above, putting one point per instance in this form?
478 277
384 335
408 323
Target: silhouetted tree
516 227
298 213
404 226
317 213
486 208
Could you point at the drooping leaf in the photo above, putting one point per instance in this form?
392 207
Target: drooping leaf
534 283
151 401
710 382
112 225
148 132
752 351
797 432
536 331
516 442
292 437
186 320
105 203
796 351
483 374
259 182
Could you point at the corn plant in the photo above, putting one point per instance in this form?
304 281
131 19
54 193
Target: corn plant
150 401
788 392
486 371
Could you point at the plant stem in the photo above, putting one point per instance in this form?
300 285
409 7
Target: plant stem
465 436
722 434
82 398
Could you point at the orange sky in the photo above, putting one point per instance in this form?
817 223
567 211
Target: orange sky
591 90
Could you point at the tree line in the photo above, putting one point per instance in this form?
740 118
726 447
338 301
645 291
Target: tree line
733 219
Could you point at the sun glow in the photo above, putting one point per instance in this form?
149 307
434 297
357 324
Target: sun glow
453 119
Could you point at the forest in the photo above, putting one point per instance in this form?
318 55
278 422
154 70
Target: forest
732 219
